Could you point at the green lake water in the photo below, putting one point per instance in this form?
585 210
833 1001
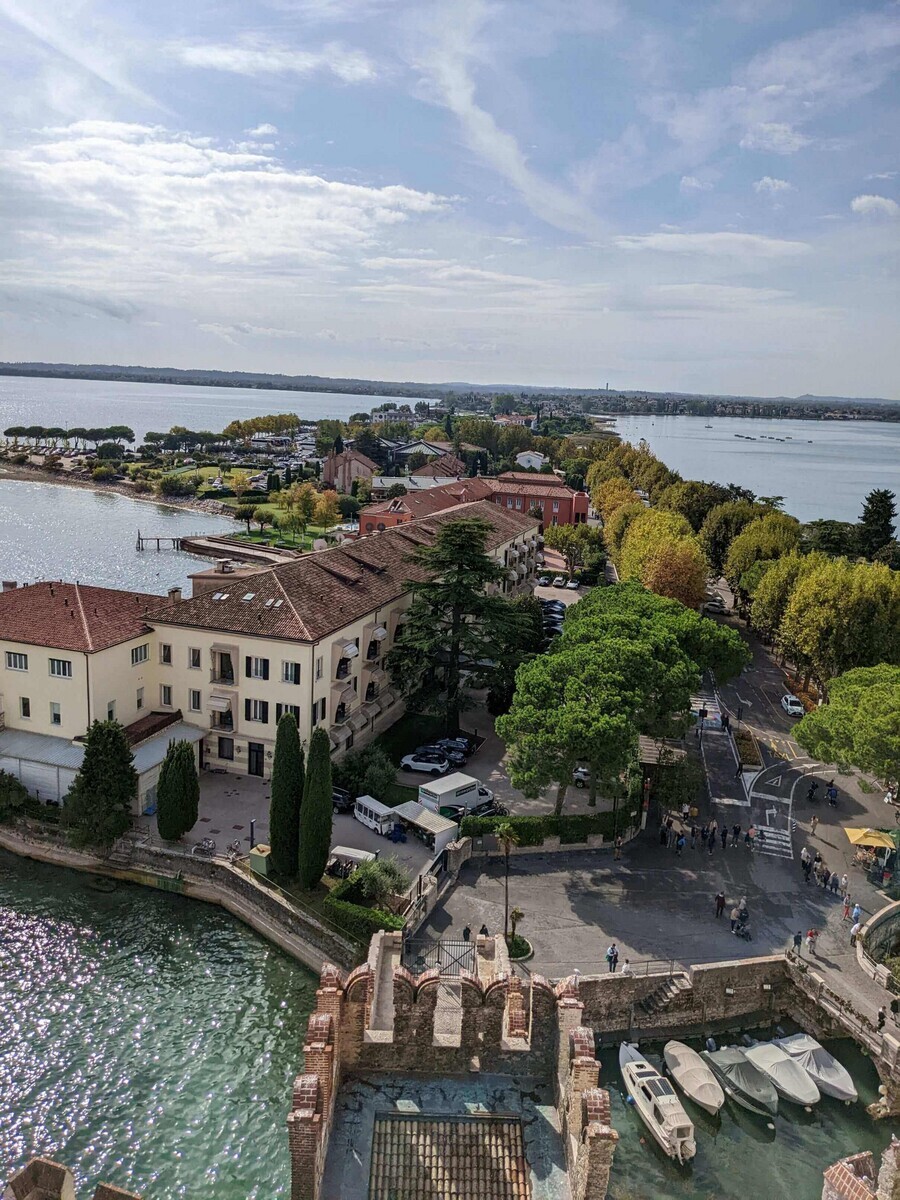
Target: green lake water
145 1039
738 1157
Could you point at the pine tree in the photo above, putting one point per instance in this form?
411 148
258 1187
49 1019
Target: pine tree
287 797
876 526
99 803
177 792
316 813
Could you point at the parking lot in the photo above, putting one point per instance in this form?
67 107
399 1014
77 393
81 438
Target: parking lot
412 854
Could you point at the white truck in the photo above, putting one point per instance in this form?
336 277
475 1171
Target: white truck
455 791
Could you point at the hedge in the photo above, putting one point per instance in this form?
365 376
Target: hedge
747 749
361 922
533 831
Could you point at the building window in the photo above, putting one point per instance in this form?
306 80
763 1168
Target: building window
556 506
195 700
55 714
519 502
318 711
256 668
111 711
140 654
194 658
319 665
16 662
61 668
165 695
139 699
165 654
226 748
290 672
256 710
281 709
25 708
509 503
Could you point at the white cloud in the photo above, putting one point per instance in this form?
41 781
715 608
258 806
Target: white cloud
776 137
256 57
262 131
771 187
724 245
875 206
690 183
882 175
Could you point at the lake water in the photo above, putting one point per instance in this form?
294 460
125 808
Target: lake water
49 531
147 1040
91 403
824 470
737 1154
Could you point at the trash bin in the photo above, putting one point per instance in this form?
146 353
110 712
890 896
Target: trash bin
259 859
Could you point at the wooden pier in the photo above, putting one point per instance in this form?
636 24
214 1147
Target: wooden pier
159 543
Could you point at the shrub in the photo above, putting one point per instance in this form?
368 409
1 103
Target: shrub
747 749
102 474
372 883
175 485
13 796
361 922
141 487
532 831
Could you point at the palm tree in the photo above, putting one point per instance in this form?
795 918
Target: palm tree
507 837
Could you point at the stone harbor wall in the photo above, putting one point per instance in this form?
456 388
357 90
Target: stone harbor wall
43 1179
859 1178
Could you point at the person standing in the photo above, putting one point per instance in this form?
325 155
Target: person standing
679 845
845 885
670 832
617 853
811 936
612 957
693 837
711 842
845 915
724 836
735 917
735 835
720 903
857 912
854 933
882 1017
798 942
826 877
813 825
834 883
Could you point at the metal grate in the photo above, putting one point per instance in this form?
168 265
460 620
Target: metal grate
450 957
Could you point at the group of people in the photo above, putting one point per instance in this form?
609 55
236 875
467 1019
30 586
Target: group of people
813 866
739 914
708 836
612 961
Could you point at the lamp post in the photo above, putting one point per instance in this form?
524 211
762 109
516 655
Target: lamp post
252 832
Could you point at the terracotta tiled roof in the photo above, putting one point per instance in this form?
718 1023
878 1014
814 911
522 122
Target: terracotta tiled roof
423 1157
447 464
347 456
433 500
532 477
313 596
72 616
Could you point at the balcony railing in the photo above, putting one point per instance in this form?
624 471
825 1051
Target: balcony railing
224 677
223 723
343 669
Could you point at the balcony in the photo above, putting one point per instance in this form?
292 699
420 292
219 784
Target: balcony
222 723
225 678
343 669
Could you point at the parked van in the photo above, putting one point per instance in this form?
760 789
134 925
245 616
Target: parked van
374 815
456 790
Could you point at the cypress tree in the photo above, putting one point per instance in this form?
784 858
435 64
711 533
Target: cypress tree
177 792
99 803
316 813
287 796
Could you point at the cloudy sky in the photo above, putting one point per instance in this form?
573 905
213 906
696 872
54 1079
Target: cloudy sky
697 195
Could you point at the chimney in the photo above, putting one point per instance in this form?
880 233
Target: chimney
9 585
174 595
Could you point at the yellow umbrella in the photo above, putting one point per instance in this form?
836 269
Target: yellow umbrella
870 837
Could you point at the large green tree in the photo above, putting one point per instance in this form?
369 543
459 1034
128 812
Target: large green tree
768 537
860 724
692 499
524 639
286 797
722 525
98 805
315 812
177 792
454 623
876 526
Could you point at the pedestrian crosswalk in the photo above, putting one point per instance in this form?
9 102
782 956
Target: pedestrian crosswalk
774 842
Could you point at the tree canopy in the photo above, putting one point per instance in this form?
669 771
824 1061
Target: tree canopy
98 805
288 777
876 525
316 812
860 724
722 525
177 792
768 537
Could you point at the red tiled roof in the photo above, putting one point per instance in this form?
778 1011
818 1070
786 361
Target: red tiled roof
532 477
433 500
310 597
347 456
73 616
447 464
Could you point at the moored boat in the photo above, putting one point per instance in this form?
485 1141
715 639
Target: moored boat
741 1081
823 1068
788 1077
659 1107
693 1076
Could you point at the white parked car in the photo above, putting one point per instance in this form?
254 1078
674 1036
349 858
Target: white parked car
559 581
431 764
581 777
572 585
792 706
543 581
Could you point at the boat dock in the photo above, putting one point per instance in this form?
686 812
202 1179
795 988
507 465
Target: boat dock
213 546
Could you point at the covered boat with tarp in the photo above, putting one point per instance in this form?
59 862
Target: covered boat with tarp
790 1079
822 1067
741 1081
693 1076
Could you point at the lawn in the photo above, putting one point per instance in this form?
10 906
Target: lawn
399 793
412 730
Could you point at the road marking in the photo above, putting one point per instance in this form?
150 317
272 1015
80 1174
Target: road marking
775 843
770 814
755 795
732 800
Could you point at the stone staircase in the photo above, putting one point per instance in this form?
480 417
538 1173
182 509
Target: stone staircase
662 996
121 853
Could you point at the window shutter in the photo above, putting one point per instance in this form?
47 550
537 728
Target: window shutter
279 712
246 710
248 666
265 663
264 712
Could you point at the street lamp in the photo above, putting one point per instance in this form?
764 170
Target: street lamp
252 832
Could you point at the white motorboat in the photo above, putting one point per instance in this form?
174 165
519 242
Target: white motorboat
693 1076
660 1109
741 1081
823 1068
789 1078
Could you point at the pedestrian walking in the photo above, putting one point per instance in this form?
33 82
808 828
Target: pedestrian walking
713 827
807 871
726 722
663 834
854 933
612 957
845 884
798 942
817 861
720 903
618 850
685 813
804 858
711 843
735 835
895 1010
670 831
845 915
467 933
751 836
679 845
826 877
724 836
813 825
735 917
882 1017
857 912
817 871
693 837
832 796
811 936
835 883
739 771
704 835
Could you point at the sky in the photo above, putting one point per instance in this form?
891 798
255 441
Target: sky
698 196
